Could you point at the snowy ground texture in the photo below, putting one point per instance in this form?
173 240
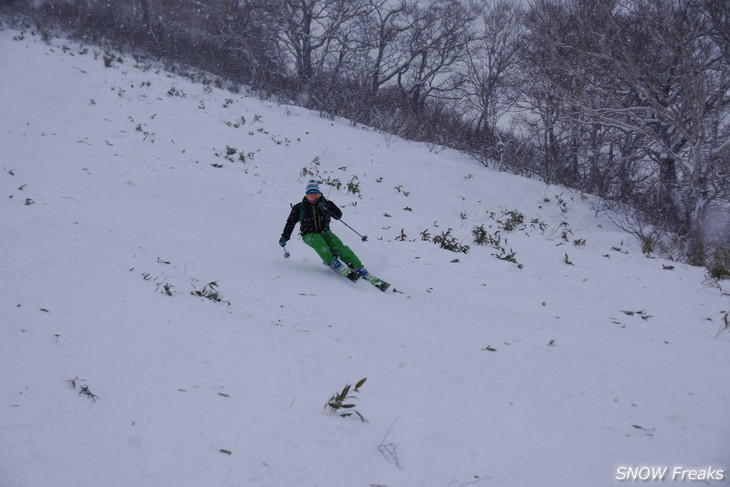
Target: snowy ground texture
121 196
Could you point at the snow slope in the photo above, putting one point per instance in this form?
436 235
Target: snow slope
119 201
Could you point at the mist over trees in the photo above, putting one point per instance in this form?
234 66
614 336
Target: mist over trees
628 100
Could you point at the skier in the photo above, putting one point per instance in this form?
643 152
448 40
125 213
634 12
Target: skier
313 214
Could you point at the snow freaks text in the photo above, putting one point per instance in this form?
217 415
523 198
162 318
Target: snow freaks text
676 474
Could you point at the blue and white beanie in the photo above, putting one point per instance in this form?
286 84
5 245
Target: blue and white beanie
312 187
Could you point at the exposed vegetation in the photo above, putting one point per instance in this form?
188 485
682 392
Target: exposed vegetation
341 402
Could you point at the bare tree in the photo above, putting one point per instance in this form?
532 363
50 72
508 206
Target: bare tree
491 61
680 86
546 80
436 45
246 33
311 33
382 31
488 90
648 77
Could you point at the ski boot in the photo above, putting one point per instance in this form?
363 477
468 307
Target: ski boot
341 268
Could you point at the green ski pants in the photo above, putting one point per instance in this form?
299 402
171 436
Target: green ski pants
328 245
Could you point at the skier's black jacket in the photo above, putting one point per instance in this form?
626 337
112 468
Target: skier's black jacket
312 218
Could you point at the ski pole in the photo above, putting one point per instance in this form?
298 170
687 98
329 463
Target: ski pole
363 237
286 254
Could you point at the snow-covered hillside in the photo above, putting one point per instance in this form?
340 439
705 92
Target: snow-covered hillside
125 189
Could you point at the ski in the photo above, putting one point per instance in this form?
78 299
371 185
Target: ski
347 272
354 277
377 282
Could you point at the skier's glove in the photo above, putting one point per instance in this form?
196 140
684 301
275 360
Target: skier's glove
282 242
322 208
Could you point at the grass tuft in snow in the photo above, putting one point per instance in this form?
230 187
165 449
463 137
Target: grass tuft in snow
337 403
210 291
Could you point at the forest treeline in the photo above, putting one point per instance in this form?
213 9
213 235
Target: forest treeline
628 100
